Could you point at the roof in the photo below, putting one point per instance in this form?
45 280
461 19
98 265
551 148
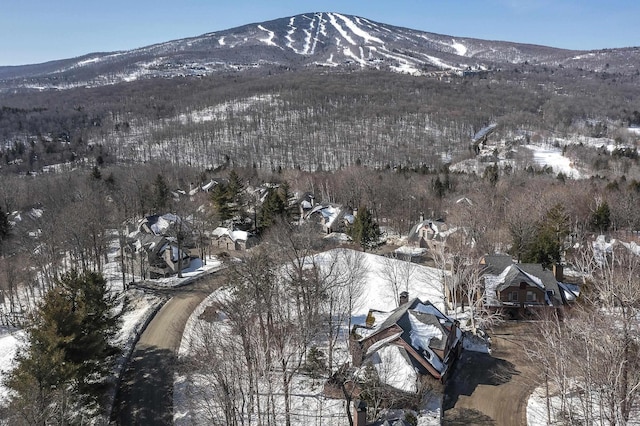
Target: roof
424 328
485 131
496 263
547 277
234 235
160 224
434 225
531 273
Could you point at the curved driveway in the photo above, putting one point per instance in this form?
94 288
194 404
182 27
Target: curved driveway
145 396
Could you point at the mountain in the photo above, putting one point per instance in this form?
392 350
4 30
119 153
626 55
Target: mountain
320 39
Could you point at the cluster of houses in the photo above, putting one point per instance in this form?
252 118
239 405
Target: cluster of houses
411 347
163 244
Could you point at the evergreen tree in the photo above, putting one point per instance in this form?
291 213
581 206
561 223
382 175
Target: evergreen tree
364 230
438 187
64 366
492 174
547 244
601 218
274 207
161 194
222 201
235 187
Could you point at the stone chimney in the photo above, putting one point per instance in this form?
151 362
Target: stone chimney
404 297
421 217
359 413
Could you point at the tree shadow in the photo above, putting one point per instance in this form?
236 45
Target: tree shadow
473 369
467 416
145 395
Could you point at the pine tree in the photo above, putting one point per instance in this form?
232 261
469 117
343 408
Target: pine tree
546 247
161 194
222 201
274 207
364 230
235 187
64 366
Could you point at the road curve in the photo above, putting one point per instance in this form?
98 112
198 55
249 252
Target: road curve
145 396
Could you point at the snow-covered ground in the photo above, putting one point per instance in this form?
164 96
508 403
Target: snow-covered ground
308 403
537 409
552 157
10 339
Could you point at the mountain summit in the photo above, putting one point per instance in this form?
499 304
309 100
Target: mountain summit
317 39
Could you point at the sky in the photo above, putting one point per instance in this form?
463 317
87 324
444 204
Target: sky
35 31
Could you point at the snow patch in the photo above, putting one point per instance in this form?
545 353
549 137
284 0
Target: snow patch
460 48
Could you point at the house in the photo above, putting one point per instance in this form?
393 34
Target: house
519 288
158 255
229 239
153 247
330 216
408 346
431 234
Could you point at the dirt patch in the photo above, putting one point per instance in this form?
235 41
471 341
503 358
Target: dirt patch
493 389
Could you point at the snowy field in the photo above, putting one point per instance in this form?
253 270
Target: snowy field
552 157
309 406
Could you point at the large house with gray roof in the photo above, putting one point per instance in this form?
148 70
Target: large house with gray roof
408 345
518 289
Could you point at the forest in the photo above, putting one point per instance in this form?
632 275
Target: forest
79 167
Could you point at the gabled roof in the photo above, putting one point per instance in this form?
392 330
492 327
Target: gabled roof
513 274
548 280
415 229
234 235
534 275
423 328
496 263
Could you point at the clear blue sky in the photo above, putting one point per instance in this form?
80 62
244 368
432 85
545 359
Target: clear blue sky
33 31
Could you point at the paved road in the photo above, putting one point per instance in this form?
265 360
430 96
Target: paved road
145 396
492 389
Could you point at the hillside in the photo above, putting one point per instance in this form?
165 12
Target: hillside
309 40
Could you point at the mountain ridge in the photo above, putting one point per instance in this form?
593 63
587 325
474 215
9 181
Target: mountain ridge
317 39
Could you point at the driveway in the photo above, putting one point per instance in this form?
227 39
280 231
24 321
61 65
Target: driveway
492 389
145 396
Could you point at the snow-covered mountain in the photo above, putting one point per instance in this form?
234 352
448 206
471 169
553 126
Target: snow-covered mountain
309 40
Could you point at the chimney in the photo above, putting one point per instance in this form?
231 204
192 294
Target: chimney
404 297
558 272
359 413
421 217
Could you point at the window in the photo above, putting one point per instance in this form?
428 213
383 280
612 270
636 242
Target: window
531 296
513 296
